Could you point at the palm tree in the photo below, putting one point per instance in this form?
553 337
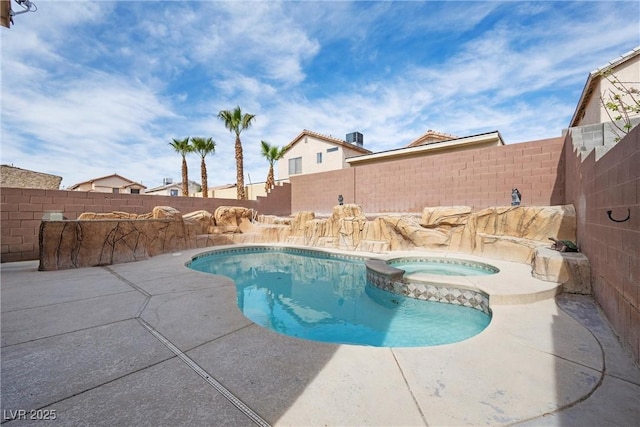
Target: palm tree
236 122
203 146
183 148
272 153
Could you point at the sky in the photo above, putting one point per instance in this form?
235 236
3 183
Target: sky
92 88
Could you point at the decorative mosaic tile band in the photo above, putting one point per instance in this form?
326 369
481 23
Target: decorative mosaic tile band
438 292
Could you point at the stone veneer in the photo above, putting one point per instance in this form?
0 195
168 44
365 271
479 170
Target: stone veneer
506 233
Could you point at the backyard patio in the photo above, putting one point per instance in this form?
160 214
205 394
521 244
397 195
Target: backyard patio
154 343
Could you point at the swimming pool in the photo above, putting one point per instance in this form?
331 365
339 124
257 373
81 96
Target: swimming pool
325 297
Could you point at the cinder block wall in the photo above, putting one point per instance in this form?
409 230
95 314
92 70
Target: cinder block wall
318 192
22 210
599 134
613 248
277 202
479 178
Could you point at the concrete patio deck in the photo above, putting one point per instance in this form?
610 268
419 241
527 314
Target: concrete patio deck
154 343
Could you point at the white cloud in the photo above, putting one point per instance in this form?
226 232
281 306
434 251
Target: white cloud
93 88
105 106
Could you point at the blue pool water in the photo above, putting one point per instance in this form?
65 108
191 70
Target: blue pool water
321 297
443 266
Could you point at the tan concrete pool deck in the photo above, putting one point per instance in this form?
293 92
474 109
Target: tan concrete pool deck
154 343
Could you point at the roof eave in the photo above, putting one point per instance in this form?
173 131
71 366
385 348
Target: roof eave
592 81
326 138
420 149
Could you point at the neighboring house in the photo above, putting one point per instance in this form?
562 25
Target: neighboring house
431 137
228 191
592 123
431 143
225 191
22 178
590 109
110 184
311 152
169 188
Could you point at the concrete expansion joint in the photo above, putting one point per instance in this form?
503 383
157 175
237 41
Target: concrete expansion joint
53 304
627 380
137 288
215 384
128 282
404 378
97 386
602 371
221 336
64 333
233 399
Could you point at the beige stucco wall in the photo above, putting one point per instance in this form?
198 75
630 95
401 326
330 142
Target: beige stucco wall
629 74
86 186
194 190
252 191
307 148
166 191
106 185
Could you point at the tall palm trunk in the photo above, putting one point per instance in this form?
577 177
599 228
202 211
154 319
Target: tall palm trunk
272 153
185 177
239 169
271 182
203 176
182 147
236 122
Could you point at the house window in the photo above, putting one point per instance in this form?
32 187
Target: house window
331 150
116 190
318 157
295 165
174 193
135 191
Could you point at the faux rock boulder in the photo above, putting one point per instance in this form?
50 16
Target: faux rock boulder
513 233
346 223
572 269
202 219
166 212
158 212
404 232
74 244
528 222
445 216
85 216
233 216
299 223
